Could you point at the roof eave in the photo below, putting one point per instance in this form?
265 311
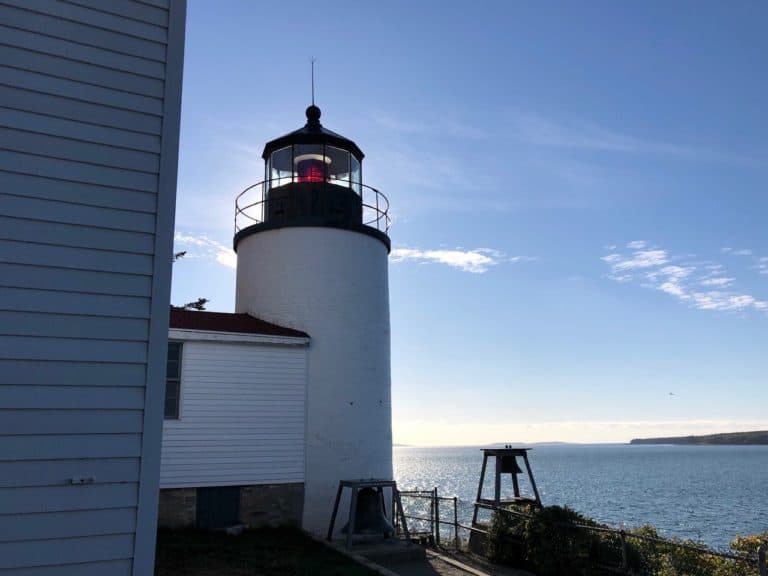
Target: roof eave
187 334
300 137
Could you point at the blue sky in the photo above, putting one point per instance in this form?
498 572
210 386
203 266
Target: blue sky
578 193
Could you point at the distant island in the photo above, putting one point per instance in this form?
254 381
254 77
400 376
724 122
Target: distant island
758 438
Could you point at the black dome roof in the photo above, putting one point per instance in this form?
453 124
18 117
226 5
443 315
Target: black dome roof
312 133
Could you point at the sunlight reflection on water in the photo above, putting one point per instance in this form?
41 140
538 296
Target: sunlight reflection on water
706 493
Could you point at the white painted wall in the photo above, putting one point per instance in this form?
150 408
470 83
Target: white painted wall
90 97
241 413
332 284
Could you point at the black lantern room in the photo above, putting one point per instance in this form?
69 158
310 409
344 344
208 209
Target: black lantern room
313 177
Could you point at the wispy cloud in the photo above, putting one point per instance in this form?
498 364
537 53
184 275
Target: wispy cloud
702 285
623 265
437 127
203 247
394 124
542 131
736 252
762 265
721 281
578 134
476 261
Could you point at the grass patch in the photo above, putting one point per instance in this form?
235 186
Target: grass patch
267 552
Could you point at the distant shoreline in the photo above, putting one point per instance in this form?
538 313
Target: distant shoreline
757 438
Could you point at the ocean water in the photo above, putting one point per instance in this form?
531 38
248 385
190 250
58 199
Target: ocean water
705 493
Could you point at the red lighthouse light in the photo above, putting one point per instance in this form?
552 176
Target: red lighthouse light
311 167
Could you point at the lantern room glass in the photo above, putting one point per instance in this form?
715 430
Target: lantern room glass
338 166
280 167
313 163
355 175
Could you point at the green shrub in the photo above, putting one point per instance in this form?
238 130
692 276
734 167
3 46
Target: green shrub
549 543
505 539
679 561
749 544
644 556
553 546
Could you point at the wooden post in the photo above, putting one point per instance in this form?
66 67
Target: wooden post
352 512
530 476
437 518
762 567
402 514
395 517
456 522
623 536
432 518
335 510
480 488
497 487
515 484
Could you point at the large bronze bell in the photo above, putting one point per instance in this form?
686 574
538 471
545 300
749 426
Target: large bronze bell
509 465
370 517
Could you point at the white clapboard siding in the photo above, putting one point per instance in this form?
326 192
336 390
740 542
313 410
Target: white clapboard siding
59 524
53 299
71 326
21 14
22 473
111 567
90 97
77 235
78 131
18 203
241 416
66 551
70 280
81 194
38 93
77 52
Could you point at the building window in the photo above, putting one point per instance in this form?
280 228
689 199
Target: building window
173 381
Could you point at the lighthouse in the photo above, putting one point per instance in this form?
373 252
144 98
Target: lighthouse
312 255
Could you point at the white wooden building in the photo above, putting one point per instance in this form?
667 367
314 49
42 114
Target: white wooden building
234 419
90 97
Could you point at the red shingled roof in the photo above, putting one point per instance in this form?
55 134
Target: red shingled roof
227 322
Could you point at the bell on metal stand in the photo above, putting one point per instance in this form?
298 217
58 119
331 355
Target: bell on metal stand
370 517
509 466
367 514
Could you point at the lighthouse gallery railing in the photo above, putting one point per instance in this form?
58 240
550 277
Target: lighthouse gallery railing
251 203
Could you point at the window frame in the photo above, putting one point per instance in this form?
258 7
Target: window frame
174 381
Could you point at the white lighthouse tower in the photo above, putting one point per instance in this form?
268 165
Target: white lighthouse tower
312 250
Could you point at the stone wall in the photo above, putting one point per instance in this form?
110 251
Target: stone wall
260 505
177 507
272 505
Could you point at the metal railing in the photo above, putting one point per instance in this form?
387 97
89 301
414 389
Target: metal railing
431 520
250 204
424 507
